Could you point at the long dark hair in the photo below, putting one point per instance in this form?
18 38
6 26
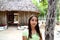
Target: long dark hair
36 28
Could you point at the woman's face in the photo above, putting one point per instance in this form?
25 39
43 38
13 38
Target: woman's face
33 21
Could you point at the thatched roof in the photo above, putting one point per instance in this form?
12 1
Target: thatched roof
18 5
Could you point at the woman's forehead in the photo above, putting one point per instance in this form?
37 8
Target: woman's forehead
34 17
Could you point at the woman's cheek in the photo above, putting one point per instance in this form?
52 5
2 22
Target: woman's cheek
31 23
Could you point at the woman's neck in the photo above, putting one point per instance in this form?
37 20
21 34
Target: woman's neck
33 31
32 28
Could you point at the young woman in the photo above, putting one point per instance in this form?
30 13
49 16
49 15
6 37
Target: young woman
33 32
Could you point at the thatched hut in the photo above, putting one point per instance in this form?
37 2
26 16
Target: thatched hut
16 11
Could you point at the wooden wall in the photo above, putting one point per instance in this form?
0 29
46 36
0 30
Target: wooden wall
24 16
3 18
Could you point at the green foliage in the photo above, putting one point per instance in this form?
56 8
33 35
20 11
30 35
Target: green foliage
42 6
58 10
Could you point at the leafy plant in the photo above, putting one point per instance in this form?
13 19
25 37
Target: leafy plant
42 6
58 10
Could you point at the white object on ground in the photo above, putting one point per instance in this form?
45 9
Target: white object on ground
1 28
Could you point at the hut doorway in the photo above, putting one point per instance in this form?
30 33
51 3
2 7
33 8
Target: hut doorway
12 19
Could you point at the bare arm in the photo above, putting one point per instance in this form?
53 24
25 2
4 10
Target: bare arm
40 39
41 36
24 38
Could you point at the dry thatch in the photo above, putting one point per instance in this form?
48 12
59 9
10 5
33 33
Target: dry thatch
18 5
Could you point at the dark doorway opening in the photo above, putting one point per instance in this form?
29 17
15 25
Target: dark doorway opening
10 19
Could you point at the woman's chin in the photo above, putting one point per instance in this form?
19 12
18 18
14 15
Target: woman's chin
33 25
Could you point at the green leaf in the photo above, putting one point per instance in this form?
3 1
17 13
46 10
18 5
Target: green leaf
42 6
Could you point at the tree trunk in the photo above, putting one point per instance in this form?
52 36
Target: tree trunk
50 21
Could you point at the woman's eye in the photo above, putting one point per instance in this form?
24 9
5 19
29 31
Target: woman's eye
36 20
32 19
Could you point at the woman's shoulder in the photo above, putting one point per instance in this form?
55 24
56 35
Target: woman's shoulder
25 32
